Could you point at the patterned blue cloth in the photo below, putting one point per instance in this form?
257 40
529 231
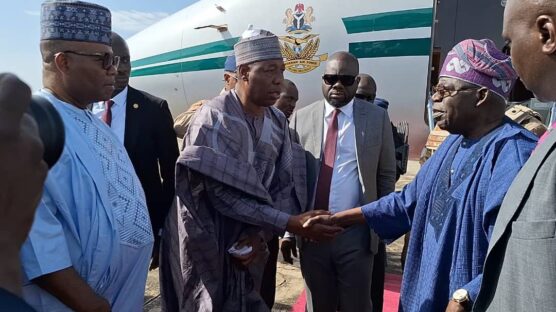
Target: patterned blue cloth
92 217
75 21
451 215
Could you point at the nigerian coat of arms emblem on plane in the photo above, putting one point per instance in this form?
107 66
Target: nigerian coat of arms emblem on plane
300 46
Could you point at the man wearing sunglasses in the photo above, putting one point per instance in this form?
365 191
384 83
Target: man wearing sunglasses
452 204
143 123
350 161
91 240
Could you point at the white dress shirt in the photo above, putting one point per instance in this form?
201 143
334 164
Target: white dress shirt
345 189
118 113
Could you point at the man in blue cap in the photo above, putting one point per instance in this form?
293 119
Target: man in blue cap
182 121
91 240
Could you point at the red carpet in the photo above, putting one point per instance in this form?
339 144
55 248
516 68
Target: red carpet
392 286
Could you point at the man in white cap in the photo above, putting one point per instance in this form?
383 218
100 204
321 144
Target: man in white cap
91 241
234 182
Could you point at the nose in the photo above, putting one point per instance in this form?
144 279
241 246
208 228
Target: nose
436 97
112 71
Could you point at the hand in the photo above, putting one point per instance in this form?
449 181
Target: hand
454 306
317 232
256 242
288 249
22 169
320 219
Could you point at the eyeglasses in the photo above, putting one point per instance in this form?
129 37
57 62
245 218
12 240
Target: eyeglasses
368 98
444 93
108 59
345 80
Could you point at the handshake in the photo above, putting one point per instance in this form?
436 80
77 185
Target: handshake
316 225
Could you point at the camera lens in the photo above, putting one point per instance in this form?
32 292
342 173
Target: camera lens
51 128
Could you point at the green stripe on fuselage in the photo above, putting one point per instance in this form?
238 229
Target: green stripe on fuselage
389 21
182 67
391 48
202 49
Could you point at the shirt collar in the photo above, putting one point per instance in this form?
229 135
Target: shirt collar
120 97
346 109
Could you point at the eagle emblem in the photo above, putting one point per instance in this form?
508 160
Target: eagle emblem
300 47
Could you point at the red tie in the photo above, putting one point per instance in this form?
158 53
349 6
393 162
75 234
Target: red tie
327 164
107 115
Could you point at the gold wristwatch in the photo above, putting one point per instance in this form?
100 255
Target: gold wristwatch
460 296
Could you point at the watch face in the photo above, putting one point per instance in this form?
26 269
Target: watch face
460 295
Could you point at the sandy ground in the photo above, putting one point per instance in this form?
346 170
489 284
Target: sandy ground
289 283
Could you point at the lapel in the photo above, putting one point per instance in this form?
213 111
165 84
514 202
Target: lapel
360 120
316 128
520 186
132 116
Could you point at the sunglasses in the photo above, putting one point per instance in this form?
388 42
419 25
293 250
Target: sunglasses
345 80
108 59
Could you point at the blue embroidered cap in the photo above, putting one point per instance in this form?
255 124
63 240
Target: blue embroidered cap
75 21
230 64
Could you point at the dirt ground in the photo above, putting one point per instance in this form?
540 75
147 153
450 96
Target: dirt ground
289 283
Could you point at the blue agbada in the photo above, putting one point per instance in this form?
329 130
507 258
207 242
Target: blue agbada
92 217
450 208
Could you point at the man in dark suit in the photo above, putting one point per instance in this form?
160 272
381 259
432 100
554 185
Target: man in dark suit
144 124
350 160
520 267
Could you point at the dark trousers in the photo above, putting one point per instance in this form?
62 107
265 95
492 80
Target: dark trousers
268 286
377 285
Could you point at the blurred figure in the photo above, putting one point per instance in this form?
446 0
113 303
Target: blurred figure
366 89
91 241
22 174
143 123
519 272
288 98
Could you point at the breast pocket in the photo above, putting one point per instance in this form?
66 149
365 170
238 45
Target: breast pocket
534 229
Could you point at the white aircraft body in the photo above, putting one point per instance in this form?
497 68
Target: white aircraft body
181 58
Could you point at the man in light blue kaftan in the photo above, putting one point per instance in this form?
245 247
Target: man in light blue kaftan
452 204
92 219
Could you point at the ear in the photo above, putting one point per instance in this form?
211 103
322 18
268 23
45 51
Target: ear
357 79
61 62
546 28
482 95
243 72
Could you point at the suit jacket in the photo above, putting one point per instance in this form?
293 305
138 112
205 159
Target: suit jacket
151 143
520 267
374 145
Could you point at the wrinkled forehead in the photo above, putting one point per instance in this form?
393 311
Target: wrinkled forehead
450 83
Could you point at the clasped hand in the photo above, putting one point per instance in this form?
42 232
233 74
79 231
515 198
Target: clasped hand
316 230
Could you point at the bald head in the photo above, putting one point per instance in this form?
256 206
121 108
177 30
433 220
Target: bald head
530 28
340 78
366 89
121 50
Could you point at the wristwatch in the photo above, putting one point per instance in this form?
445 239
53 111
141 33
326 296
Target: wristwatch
460 296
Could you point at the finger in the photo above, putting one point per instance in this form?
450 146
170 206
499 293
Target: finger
320 212
15 96
311 221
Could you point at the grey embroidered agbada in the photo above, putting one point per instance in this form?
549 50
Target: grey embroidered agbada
233 177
